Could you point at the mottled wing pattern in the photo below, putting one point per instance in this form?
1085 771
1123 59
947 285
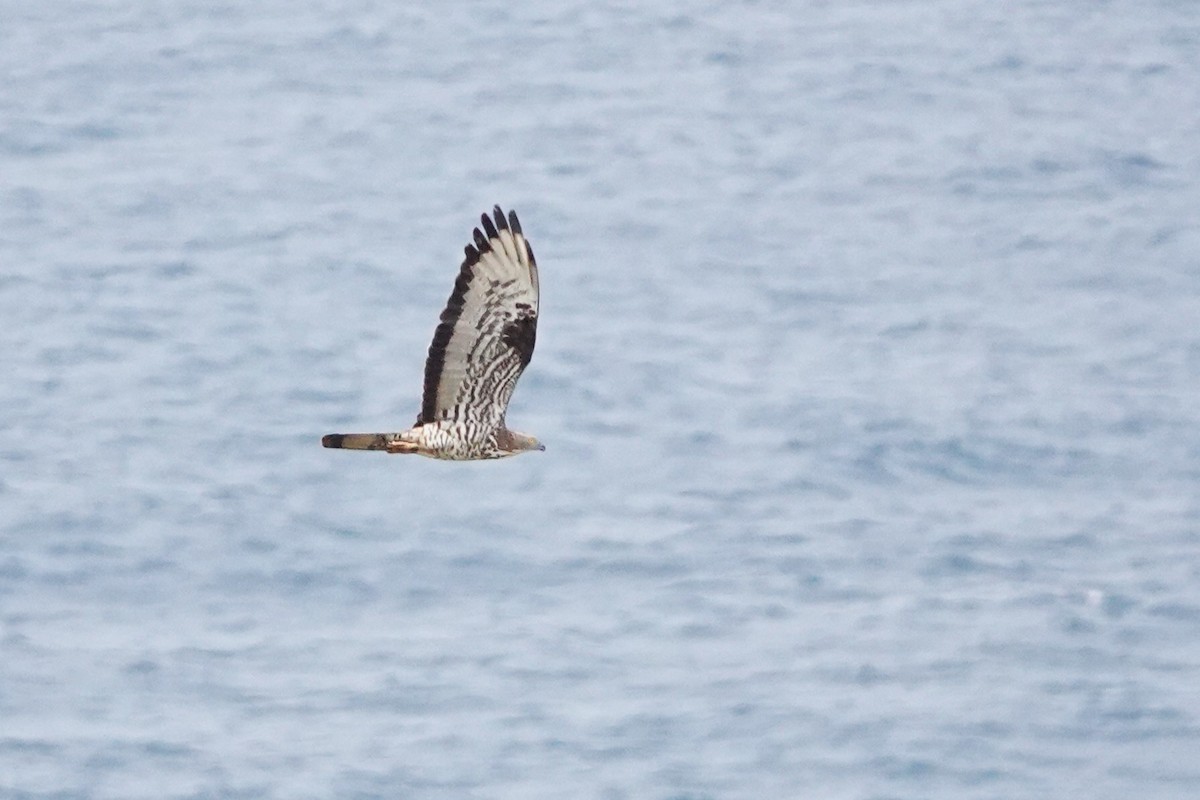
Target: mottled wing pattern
487 332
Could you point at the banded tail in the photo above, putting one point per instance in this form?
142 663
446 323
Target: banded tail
355 441
367 441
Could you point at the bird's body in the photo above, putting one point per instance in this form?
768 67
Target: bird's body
447 440
483 342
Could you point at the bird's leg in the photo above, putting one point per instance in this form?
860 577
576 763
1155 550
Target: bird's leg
399 446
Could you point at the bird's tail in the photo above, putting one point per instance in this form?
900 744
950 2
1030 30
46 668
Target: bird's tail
356 441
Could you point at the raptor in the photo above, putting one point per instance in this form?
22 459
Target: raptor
481 346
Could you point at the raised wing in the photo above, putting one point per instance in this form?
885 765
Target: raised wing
486 335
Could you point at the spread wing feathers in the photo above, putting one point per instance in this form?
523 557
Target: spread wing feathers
486 335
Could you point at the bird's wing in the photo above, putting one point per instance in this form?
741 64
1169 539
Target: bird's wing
487 332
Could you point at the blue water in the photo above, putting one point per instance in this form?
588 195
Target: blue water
868 372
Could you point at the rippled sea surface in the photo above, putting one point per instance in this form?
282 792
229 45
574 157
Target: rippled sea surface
868 371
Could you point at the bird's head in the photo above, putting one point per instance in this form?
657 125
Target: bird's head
521 443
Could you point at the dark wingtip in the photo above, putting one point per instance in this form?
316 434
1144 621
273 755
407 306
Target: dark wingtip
481 241
501 222
488 227
513 222
333 440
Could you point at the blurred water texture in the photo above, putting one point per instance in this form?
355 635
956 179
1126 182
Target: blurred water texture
867 369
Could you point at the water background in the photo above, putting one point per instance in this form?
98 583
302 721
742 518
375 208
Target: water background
868 371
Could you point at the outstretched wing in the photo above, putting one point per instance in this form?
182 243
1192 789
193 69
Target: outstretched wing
487 332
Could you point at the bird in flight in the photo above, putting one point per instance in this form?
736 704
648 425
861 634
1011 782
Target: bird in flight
482 344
